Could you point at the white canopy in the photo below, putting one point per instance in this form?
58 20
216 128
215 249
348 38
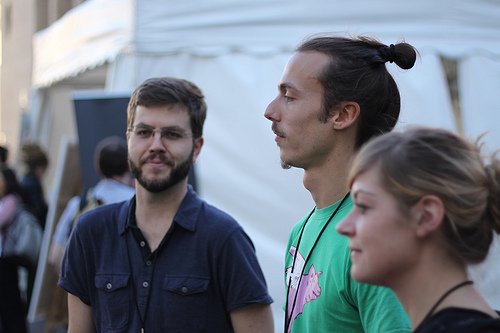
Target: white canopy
236 50
98 30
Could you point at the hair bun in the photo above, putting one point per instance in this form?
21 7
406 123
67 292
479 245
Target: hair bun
388 53
402 54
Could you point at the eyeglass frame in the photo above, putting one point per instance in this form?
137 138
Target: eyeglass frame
163 131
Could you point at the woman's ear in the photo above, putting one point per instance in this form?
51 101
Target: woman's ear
346 116
430 214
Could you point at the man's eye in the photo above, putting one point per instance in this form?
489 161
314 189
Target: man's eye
172 135
143 133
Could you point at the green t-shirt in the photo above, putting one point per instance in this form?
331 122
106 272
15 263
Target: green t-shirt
329 300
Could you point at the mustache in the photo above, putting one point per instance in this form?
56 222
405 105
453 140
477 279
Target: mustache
162 158
275 129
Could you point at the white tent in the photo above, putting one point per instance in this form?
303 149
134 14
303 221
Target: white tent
236 50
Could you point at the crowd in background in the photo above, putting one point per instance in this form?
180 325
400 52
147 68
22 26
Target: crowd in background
20 193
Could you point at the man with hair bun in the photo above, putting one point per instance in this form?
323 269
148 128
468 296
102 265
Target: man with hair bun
334 95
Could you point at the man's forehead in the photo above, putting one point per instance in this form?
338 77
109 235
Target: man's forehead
177 114
173 107
302 69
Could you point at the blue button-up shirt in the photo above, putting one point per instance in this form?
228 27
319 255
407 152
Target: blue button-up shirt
204 268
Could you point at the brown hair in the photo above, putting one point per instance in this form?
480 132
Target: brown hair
170 91
111 156
424 161
32 156
357 73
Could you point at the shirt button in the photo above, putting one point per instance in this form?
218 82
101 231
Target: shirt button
145 284
142 243
184 289
148 263
109 286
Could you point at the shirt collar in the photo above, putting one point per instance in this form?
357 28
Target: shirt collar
186 217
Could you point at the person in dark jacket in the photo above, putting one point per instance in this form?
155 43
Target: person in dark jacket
12 306
36 163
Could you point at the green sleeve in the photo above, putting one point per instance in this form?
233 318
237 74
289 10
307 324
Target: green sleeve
379 309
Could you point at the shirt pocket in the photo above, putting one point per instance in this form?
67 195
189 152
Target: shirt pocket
186 304
113 300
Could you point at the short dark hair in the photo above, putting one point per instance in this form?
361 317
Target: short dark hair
4 154
33 156
12 185
357 73
170 91
111 156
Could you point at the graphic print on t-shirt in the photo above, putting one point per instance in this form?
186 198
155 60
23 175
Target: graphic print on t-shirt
308 290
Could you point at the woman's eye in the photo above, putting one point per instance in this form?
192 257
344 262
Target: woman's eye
361 208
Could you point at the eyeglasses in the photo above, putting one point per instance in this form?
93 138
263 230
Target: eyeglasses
167 133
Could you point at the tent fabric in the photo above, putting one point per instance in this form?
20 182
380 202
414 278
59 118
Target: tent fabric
451 27
425 96
479 83
454 28
87 36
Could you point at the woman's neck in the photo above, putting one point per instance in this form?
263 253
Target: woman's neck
420 290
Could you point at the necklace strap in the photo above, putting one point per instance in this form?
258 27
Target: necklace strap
288 316
442 298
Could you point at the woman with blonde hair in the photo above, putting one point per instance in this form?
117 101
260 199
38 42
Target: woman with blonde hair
425 205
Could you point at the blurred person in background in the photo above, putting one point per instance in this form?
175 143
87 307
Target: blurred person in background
4 155
12 306
35 161
116 185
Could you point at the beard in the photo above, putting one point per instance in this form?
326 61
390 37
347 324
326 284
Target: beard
285 165
177 174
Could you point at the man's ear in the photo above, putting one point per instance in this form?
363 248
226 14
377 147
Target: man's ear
346 115
430 214
198 143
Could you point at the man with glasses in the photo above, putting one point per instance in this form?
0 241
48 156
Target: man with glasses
165 261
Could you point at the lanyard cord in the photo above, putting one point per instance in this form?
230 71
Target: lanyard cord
143 320
434 307
288 316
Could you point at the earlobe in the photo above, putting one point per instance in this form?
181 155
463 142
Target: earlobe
430 215
346 116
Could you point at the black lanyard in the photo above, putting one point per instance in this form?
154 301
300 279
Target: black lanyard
434 307
288 316
143 320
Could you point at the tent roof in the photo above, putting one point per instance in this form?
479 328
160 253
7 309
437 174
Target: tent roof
455 28
87 36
